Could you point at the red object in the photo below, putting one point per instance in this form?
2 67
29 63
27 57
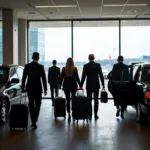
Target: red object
147 95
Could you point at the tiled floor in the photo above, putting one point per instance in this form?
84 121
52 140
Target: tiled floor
107 133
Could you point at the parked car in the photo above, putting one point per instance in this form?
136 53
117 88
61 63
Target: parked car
10 88
141 72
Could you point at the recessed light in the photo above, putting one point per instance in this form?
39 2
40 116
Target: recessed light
59 6
131 11
120 5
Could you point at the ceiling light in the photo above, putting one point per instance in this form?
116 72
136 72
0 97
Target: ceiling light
118 16
131 11
117 5
59 6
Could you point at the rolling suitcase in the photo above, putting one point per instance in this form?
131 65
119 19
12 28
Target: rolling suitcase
19 115
60 107
80 107
104 96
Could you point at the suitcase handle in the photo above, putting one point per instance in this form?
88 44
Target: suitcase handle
21 97
80 90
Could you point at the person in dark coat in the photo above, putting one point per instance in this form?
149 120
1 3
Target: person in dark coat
93 72
54 79
70 80
33 73
120 73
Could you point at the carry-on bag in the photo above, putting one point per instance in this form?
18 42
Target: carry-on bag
80 107
19 115
104 96
60 106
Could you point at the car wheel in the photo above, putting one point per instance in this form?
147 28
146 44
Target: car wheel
3 111
141 117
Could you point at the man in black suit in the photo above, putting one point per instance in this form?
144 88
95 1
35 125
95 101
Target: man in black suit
120 72
33 73
92 71
54 79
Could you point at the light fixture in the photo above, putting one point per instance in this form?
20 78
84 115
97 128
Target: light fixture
117 16
131 11
120 5
59 6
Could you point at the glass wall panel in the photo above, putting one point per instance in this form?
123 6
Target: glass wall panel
100 38
135 40
1 43
52 40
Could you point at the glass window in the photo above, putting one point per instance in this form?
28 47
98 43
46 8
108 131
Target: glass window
100 38
52 40
13 74
3 74
20 72
1 43
146 74
135 40
135 71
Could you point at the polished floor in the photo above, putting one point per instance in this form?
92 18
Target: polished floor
107 133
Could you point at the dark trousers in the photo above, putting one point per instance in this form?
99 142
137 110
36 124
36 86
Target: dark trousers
34 105
96 103
68 93
121 107
53 89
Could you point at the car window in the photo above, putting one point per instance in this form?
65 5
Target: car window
13 74
3 74
146 74
134 71
20 72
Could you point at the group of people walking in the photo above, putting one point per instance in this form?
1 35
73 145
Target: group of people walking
68 79
71 82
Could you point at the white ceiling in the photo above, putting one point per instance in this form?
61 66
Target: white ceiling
85 9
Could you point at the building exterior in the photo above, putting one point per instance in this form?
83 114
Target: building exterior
1 47
36 43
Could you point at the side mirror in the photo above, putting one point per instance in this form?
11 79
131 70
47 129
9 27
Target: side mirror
15 80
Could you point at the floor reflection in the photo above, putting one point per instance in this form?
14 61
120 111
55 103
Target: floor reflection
107 133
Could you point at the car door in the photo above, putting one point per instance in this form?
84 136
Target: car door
138 91
19 70
12 88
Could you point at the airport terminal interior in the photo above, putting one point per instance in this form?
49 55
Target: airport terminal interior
57 30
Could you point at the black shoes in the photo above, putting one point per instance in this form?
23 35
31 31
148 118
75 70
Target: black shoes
34 125
122 115
90 117
96 117
69 118
118 113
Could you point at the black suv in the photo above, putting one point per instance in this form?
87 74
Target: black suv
10 87
141 73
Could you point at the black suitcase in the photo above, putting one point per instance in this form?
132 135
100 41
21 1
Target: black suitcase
19 116
80 108
60 107
104 96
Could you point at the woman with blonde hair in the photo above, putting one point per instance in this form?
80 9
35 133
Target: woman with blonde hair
70 78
